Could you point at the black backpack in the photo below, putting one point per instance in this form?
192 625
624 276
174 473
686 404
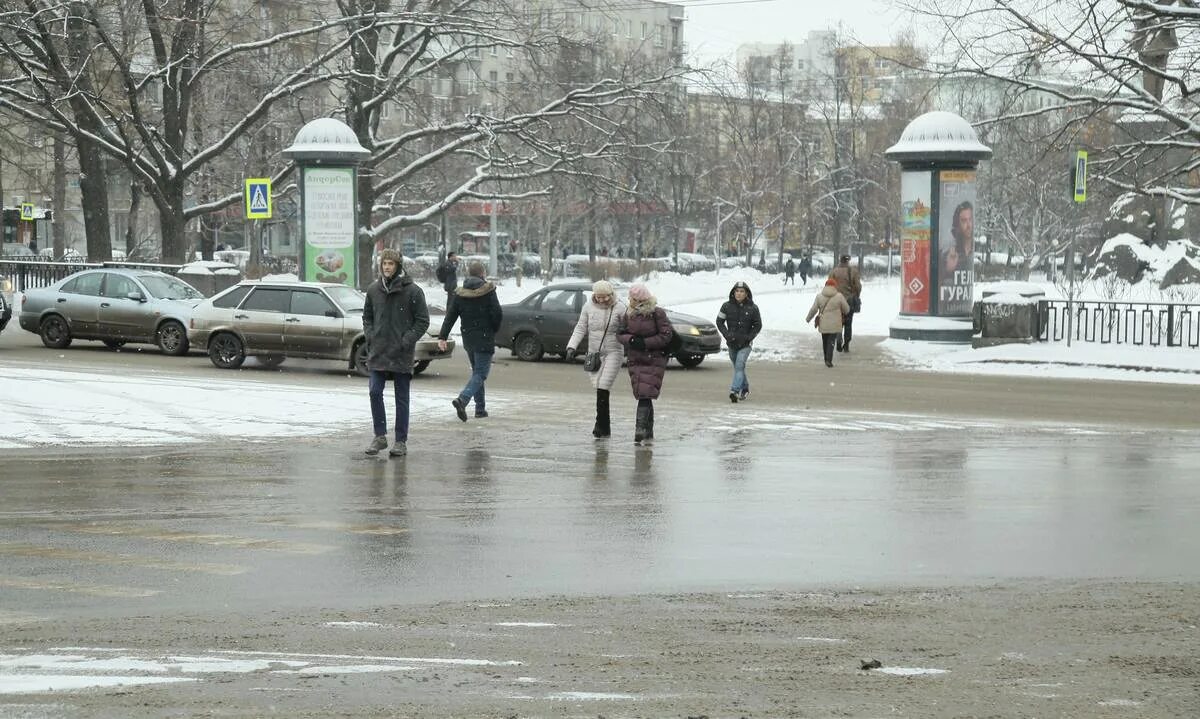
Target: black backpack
441 273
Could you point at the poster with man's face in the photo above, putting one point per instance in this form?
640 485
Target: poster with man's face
955 268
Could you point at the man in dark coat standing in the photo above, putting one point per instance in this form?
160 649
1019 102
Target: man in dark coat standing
394 318
789 272
805 268
447 274
739 322
476 303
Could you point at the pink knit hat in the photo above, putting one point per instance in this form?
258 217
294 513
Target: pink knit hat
640 293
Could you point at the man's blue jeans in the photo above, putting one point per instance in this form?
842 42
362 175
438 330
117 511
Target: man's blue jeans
738 358
481 365
400 383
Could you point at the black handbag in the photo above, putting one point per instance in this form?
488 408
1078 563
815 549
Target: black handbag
591 360
855 304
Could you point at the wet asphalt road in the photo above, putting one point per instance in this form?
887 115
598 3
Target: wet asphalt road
865 475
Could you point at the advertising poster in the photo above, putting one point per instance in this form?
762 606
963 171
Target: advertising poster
956 243
915 204
329 230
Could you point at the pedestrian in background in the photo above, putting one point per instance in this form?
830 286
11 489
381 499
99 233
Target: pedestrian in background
789 272
739 322
849 284
829 307
805 269
447 274
598 324
394 318
645 332
479 307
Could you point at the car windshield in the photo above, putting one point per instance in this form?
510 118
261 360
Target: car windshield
165 287
350 299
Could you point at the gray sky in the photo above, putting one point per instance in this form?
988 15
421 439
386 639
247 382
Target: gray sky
715 28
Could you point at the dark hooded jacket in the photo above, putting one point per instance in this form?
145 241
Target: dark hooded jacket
739 322
476 303
394 318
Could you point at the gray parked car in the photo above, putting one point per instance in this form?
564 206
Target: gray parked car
114 306
274 320
6 301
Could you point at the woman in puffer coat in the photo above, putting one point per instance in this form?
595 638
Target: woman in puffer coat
599 322
645 332
832 306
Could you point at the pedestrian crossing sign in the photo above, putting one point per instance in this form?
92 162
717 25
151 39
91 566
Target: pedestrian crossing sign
27 210
258 199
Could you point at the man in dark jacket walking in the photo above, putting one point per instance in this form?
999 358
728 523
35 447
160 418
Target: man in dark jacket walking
849 283
805 268
476 303
394 318
739 322
447 274
789 272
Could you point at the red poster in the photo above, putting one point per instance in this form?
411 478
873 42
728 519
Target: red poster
914 243
914 274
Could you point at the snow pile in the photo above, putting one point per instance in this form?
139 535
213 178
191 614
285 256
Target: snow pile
209 267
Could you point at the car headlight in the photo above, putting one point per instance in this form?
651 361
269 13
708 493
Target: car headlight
6 285
686 329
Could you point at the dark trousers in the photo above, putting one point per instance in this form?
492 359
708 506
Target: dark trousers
827 341
847 330
400 383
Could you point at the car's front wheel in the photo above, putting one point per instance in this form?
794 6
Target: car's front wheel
226 351
171 338
55 332
527 347
688 359
359 359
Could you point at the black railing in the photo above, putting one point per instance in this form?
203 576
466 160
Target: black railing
1132 323
27 274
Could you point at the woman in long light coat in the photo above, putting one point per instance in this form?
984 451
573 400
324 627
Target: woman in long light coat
830 308
599 322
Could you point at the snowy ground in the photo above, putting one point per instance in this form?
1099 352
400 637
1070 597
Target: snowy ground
49 406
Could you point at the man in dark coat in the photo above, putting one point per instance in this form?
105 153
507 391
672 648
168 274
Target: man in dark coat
789 272
476 303
394 318
849 283
739 322
447 274
805 268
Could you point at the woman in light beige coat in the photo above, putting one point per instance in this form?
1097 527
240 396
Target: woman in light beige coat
599 321
829 307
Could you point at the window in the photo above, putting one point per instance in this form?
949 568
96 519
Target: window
385 110
508 77
629 29
645 30
311 303
493 77
660 36
88 284
616 27
492 50
118 286
559 301
349 298
268 299
166 287
232 297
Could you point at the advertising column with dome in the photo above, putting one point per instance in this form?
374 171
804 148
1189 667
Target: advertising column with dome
327 154
938 154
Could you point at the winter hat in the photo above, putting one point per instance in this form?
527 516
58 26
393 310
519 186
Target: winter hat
640 293
388 253
831 282
602 287
741 286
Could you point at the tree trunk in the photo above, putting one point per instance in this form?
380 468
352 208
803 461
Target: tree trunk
59 225
171 224
93 191
135 202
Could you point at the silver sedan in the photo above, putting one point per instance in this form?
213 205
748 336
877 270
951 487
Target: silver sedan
114 306
275 320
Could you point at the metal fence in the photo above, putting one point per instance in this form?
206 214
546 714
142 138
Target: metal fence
30 274
1133 323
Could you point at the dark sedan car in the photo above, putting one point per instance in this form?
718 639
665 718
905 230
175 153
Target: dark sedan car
543 322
